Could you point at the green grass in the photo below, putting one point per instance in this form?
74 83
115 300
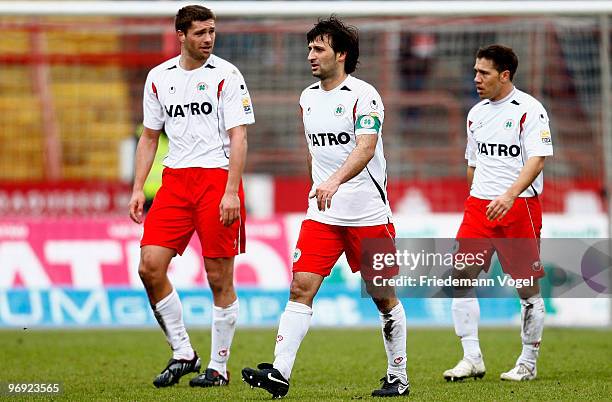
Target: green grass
338 364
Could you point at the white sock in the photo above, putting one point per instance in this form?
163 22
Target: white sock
222 333
532 325
292 328
466 314
169 315
394 337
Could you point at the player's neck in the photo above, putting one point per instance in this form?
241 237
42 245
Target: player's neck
330 83
189 63
505 91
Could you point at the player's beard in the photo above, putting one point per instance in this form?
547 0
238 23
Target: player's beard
321 74
196 54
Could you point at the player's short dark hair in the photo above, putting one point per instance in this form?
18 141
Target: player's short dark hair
503 58
342 38
186 15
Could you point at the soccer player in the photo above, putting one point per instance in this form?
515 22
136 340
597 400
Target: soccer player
342 118
202 103
508 139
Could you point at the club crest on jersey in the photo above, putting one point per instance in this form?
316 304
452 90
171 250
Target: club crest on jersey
296 256
172 89
339 111
509 124
202 86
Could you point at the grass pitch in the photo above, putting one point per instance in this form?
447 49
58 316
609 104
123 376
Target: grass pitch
332 364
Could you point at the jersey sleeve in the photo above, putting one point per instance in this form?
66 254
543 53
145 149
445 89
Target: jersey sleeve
471 147
152 109
237 105
302 116
537 139
369 113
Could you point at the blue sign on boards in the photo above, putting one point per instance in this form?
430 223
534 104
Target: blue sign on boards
124 307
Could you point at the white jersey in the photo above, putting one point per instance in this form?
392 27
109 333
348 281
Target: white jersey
332 121
501 137
196 108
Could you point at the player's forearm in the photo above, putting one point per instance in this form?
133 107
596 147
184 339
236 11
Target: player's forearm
470 175
145 155
528 174
355 163
238 152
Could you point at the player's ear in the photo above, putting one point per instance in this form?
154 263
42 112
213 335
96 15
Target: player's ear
505 75
341 56
181 36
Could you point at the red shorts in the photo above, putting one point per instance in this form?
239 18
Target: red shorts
188 201
320 245
515 238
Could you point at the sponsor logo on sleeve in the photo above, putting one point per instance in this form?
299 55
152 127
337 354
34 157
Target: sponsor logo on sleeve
374 104
545 136
246 105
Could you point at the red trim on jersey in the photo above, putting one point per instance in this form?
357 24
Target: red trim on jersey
355 112
522 122
154 89
220 88
470 123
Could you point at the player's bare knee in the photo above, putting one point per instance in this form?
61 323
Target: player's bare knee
467 272
380 293
529 291
300 292
149 269
219 282
462 292
215 280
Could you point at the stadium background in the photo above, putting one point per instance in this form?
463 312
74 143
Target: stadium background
70 101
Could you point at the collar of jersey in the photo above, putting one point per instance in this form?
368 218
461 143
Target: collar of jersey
210 61
337 88
507 98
